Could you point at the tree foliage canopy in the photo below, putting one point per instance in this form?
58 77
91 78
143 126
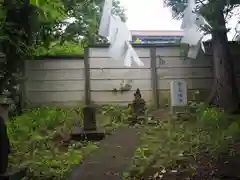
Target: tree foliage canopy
205 8
224 92
37 27
76 20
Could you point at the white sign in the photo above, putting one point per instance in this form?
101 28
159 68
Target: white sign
178 93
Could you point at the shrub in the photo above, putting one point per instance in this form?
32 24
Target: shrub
209 131
37 142
211 117
221 128
117 114
66 49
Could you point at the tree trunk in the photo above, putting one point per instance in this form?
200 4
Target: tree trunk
4 144
224 94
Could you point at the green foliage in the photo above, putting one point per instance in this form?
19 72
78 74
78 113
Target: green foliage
50 10
177 6
65 49
39 23
81 23
117 114
206 9
165 146
38 142
39 139
223 128
212 118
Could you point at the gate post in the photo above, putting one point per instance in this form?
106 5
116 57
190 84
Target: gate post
154 79
87 88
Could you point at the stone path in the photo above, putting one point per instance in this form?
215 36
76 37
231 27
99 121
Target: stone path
112 158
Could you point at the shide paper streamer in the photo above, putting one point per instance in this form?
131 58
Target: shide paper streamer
118 35
105 19
191 25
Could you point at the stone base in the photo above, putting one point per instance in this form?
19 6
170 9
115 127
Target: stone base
79 134
14 174
178 109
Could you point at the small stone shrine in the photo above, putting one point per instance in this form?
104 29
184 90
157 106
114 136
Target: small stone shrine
138 107
89 130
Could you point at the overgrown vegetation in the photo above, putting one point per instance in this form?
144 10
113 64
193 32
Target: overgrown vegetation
40 139
55 49
179 148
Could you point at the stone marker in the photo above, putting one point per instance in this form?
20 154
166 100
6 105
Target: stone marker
89 130
178 96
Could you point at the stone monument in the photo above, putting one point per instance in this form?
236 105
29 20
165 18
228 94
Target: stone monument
178 96
89 130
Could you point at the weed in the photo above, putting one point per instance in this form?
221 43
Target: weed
40 140
210 130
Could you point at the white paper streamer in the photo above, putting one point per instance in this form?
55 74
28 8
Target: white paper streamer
105 19
201 21
113 28
131 56
128 57
191 24
193 51
118 35
188 16
121 49
118 47
191 36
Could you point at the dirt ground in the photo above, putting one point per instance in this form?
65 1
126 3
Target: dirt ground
204 167
112 158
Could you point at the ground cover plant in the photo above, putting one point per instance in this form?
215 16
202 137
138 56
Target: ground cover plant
40 140
197 145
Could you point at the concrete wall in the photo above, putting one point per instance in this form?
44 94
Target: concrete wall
57 82
107 74
60 82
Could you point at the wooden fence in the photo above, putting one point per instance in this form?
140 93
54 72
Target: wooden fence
101 80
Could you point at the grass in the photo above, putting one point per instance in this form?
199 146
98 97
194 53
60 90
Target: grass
176 147
39 140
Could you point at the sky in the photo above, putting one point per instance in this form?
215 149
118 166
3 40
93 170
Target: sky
152 15
149 15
